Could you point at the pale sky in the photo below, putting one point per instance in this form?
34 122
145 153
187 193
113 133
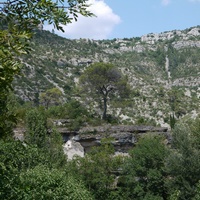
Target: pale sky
132 18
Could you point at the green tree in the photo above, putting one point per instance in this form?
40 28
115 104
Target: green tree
26 172
46 138
77 114
14 158
18 19
183 163
144 172
51 97
172 120
8 114
54 150
43 183
197 191
100 80
36 124
97 169
175 101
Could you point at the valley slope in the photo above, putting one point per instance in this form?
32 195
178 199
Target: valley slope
163 71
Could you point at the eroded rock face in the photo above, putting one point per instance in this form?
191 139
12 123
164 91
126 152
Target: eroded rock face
151 38
124 137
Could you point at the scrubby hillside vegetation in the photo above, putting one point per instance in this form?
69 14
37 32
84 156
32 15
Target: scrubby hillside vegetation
162 71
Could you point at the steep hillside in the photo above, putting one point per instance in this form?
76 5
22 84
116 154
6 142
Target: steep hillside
163 71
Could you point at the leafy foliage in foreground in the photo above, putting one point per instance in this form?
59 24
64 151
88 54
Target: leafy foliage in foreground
184 160
97 169
35 170
43 183
152 171
145 169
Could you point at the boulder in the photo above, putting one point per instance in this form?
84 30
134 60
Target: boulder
72 148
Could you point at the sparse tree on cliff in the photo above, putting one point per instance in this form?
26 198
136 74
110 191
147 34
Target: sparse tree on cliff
100 80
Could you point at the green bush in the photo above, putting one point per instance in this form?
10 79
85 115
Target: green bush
43 183
36 124
143 171
27 172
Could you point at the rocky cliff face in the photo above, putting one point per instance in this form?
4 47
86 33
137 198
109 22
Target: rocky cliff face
123 137
184 36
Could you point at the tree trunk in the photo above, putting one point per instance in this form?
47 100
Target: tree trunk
104 108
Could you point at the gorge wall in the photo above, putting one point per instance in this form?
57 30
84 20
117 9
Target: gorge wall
123 137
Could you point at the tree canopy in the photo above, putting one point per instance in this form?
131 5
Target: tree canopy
184 159
102 79
144 170
50 97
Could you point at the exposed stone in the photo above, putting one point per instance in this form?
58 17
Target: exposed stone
154 37
193 81
61 122
72 148
124 137
19 133
183 44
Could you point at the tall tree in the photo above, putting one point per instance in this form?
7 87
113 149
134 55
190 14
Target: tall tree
183 163
144 171
50 97
18 19
100 80
36 125
97 169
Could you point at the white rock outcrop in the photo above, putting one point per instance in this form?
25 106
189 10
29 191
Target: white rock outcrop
151 38
72 148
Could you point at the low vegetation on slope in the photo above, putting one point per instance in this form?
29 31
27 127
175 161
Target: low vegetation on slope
163 77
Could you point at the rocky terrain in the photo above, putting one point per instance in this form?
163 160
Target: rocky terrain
163 71
123 137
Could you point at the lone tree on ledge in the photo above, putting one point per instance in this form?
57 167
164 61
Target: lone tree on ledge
100 80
